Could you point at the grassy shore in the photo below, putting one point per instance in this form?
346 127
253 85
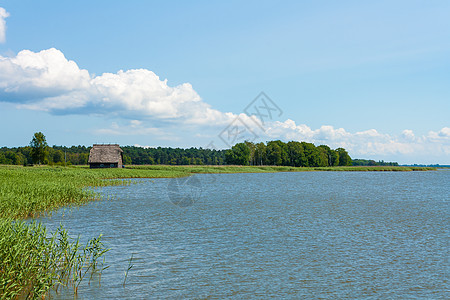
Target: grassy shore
34 260
29 191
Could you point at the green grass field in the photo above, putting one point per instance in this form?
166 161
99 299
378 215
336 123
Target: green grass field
34 260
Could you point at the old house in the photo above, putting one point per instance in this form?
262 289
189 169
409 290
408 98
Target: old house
106 156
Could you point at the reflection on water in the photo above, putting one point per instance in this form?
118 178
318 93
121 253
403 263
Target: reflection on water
289 235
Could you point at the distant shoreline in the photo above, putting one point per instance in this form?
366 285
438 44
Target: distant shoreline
199 169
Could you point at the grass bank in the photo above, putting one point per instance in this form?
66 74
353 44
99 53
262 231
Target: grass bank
34 260
28 192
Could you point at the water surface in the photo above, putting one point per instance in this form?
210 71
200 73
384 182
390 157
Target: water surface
366 235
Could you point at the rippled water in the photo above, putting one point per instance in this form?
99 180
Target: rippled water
314 235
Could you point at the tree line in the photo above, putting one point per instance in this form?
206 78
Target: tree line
371 162
293 153
278 153
79 155
56 155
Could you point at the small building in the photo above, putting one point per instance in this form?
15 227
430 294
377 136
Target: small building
106 156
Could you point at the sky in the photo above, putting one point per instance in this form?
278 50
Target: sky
370 76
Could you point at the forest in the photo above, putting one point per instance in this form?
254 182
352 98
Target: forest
277 153
370 162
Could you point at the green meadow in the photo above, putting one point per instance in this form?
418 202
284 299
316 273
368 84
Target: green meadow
34 261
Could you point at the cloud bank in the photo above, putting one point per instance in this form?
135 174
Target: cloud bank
369 143
3 15
48 81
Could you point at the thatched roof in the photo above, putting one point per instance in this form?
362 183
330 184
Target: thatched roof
105 153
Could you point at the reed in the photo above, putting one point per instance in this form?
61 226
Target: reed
35 261
29 192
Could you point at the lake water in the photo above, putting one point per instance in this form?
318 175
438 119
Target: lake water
309 235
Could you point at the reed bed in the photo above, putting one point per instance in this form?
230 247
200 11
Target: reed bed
35 261
29 192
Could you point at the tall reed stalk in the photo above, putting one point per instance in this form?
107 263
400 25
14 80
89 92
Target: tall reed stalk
35 261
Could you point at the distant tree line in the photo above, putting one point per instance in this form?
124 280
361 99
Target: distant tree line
278 153
370 162
293 153
79 155
431 165
75 155
172 156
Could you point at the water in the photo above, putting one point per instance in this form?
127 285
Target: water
328 235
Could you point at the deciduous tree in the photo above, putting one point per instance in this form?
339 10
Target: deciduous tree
39 151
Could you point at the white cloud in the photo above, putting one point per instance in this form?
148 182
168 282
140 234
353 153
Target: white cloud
145 147
3 15
31 77
441 135
408 134
47 81
135 123
367 143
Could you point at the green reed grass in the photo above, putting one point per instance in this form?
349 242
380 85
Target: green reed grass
28 192
35 261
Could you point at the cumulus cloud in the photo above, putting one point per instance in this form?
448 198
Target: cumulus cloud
33 77
3 15
366 143
48 81
408 134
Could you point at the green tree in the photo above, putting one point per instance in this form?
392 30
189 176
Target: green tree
285 161
252 147
39 148
334 155
344 158
239 154
83 158
4 160
15 158
274 154
126 160
311 155
260 154
322 156
296 155
57 156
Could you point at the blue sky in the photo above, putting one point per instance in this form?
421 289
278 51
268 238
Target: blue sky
372 77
